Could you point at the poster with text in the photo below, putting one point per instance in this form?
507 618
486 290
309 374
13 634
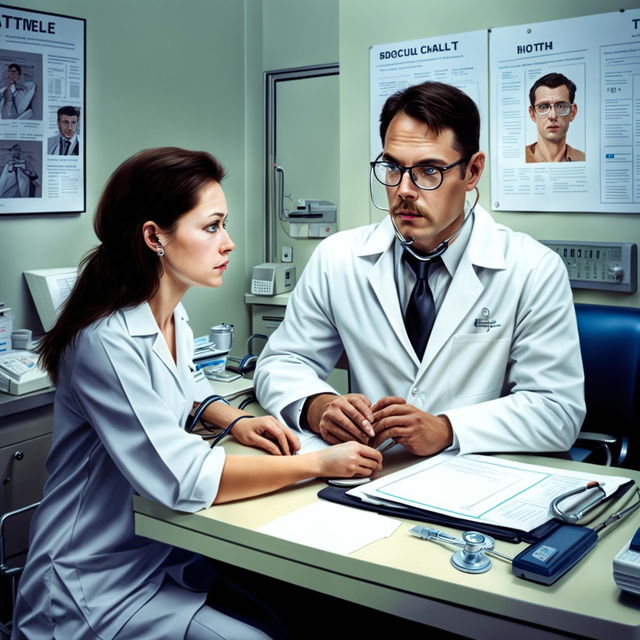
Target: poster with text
565 115
42 96
459 59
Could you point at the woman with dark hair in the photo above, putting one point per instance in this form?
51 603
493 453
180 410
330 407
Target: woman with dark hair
121 356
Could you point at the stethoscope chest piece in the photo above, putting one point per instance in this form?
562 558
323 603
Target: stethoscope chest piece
471 558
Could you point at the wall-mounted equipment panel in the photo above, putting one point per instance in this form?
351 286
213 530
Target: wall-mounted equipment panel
609 266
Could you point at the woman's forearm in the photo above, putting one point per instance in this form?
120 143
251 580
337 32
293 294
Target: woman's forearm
247 476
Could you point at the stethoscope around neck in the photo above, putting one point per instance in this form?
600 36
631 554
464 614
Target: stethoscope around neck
406 244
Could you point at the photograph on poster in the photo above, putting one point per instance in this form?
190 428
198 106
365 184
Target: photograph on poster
66 142
565 135
553 108
20 82
21 162
42 96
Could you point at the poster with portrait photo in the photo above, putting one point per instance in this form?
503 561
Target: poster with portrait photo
42 97
555 88
561 139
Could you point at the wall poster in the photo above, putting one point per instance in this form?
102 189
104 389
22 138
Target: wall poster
458 59
42 115
594 125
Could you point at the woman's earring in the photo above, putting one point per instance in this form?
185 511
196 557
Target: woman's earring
159 250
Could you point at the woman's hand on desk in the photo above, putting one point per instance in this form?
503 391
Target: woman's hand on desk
348 460
247 476
265 432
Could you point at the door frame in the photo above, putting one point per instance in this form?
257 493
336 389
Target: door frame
271 81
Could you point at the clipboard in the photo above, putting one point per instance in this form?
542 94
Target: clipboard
338 495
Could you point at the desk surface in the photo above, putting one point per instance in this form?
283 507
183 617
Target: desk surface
242 386
406 576
11 404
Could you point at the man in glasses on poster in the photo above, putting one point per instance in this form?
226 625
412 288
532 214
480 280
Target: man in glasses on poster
552 109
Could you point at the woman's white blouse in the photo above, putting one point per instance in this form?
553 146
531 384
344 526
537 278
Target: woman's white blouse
120 407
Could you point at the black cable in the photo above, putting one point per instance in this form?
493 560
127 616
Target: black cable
618 515
228 429
247 401
200 410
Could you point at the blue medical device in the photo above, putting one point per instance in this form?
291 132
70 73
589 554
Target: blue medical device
545 561
548 560
554 555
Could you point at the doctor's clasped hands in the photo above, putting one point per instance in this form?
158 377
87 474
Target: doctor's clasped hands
353 417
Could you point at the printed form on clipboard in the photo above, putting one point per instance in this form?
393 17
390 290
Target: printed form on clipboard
482 489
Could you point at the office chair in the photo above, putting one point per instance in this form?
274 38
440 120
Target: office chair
610 346
9 572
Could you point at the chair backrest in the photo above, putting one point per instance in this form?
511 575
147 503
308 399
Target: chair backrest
610 346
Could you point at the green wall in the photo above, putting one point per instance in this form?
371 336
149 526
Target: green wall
143 54
159 72
299 33
169 72
364 23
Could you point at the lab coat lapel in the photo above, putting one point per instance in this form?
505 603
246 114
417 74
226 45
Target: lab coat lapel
485 250
140 322
161 350
381 279
184 350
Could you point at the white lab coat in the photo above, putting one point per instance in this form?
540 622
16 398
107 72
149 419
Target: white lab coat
120 406
503 360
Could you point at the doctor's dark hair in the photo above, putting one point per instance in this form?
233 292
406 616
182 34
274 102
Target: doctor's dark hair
552 80
440 106
155 184
68 111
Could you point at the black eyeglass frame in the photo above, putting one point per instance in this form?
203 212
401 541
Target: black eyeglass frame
402 169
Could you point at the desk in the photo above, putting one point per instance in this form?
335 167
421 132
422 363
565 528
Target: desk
238 388
25 439
411 578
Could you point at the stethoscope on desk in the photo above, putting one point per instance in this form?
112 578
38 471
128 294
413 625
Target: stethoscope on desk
572 517
548 559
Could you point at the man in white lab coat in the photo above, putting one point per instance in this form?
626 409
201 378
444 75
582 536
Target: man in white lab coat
500 369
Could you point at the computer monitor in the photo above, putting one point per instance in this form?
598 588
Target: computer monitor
49 289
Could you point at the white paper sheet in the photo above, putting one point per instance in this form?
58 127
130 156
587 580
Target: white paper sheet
483 489
331 527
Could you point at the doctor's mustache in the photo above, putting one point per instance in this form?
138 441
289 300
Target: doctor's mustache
407 206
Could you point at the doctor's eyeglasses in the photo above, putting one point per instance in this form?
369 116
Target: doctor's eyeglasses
424 176
561 108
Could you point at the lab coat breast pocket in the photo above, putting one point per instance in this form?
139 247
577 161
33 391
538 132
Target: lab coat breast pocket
478 363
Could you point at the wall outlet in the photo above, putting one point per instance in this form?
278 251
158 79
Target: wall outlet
286 254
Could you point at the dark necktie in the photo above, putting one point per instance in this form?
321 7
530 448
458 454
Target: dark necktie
421 310
64 147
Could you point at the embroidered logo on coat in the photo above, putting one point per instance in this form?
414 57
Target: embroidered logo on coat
485 321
